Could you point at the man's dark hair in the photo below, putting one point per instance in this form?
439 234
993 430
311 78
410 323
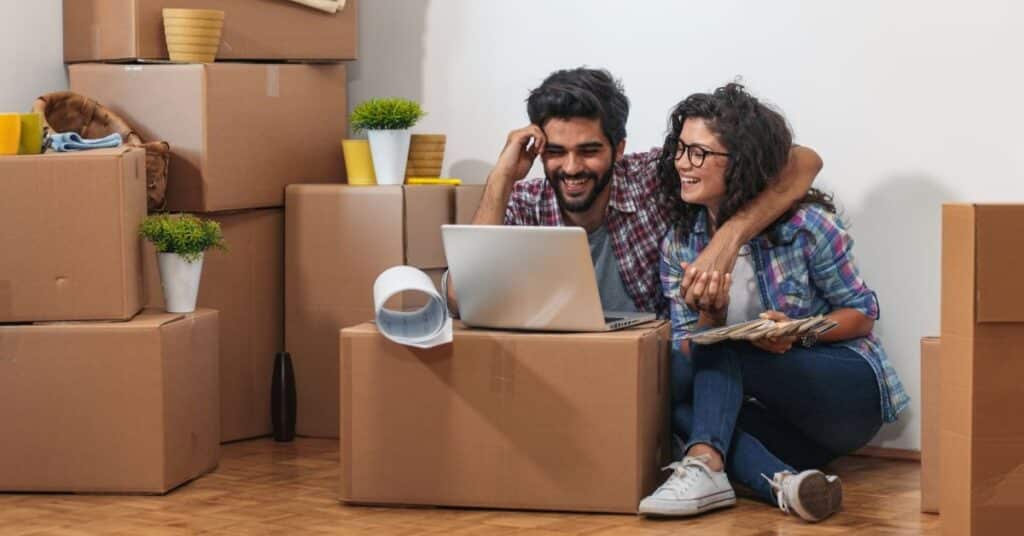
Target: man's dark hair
582 92
757 139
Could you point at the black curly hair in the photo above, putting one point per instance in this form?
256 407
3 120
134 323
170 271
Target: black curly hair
582 92
757 139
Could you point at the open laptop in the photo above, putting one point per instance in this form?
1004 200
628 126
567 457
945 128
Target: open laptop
529 278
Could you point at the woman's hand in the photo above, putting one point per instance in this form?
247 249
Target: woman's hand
775 345
713 292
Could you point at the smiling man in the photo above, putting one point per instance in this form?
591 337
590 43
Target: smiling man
578 128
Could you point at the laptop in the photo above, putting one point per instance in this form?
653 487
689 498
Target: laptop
528 278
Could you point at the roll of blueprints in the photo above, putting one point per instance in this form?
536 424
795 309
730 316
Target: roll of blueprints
426 327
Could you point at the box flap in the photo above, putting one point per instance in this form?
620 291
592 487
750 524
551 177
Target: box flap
467 200
958 253
1000 263
427 208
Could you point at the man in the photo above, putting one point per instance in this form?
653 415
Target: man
578 128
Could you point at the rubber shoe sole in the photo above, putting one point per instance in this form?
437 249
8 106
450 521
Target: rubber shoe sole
675 508
819 496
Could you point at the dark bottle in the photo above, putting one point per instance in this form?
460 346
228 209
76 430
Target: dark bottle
282 398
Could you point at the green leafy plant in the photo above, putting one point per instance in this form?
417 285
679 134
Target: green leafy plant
386 114
183 234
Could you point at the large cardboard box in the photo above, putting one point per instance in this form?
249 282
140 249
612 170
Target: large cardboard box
338 239
125 30
246 284
127 407
982 364
930 423
239 133
502 419
467 199
69 243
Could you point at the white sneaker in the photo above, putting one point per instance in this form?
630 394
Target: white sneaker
693 488
812 495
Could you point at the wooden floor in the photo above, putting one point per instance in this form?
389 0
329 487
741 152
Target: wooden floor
262 487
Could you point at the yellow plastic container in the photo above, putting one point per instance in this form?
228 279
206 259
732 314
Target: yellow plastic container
31 133
358 162
10 133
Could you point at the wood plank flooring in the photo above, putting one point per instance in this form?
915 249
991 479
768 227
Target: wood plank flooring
263 487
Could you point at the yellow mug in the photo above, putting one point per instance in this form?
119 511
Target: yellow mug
358 162
10 133
31 133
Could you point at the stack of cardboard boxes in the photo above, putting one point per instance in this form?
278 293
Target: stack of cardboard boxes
495 419
270 112
97 396
103 397
981 364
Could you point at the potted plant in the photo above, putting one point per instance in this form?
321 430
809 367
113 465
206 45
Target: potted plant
180 241
387 122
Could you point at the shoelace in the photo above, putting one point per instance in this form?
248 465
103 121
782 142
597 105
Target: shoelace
780 496
682 475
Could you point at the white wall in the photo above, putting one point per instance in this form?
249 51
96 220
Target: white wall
31 52
910 104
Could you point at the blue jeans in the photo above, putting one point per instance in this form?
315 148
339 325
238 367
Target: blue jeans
767 413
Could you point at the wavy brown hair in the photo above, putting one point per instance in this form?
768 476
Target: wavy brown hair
758 140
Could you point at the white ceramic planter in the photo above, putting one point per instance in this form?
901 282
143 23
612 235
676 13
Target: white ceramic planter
390 150
180 280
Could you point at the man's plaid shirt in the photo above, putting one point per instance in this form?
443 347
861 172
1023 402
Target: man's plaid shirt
635 220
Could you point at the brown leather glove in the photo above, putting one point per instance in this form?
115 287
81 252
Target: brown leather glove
65 111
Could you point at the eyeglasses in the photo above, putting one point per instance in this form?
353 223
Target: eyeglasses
694 153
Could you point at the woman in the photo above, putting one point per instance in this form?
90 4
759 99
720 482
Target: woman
766 413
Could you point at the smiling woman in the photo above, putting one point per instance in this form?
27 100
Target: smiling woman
722 151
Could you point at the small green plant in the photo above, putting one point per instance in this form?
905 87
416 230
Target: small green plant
386 114
183 234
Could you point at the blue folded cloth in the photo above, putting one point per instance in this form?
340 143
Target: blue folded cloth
72 141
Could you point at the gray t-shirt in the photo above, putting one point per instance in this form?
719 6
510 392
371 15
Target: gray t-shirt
609 280
744 295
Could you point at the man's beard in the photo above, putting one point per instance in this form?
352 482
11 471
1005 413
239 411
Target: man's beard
584 204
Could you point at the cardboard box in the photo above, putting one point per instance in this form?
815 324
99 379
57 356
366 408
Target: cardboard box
69 238
338 239
126 30
982 364
502 419
246 284
930 423
239 133
127 407
467 199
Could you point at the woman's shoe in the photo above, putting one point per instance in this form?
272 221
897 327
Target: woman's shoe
692 488
811 494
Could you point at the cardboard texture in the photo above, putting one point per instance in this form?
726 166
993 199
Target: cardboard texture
239 133
246 284
467 199
546 421
930 423
982 362
69 235
338 239
125 30
127 407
